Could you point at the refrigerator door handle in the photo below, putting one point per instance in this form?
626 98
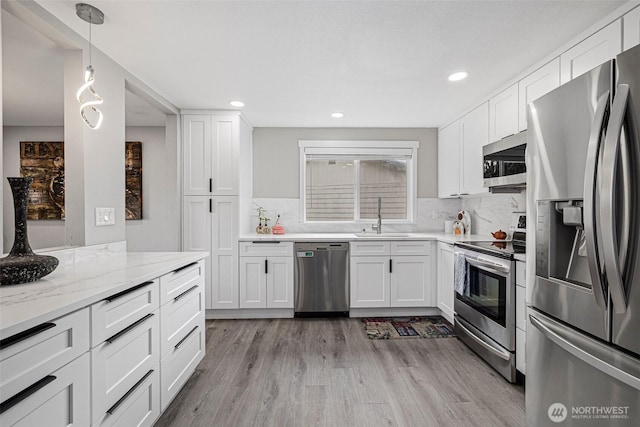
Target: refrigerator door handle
607 208
574 343
590 189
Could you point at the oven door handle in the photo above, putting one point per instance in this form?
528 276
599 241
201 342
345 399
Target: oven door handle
488 266
502 354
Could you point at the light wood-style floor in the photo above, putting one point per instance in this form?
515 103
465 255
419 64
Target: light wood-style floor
326 372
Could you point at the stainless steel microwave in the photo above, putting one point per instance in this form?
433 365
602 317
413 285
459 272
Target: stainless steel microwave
504 164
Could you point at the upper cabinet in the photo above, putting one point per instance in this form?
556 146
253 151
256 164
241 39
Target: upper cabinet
449 161
536 84
210 154
503 114
474 134
631 29
591 52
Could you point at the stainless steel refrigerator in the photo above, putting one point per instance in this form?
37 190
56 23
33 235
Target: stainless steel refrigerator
583 250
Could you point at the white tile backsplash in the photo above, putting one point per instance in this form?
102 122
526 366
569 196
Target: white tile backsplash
492 212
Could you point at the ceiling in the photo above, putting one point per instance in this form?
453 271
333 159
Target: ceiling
382 63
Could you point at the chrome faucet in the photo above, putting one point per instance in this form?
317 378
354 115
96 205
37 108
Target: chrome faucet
378 226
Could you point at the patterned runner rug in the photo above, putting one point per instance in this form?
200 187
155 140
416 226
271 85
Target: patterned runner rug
384 328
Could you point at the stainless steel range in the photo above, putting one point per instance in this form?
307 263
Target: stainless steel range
485 297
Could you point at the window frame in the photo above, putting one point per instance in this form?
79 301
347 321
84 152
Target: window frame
361 148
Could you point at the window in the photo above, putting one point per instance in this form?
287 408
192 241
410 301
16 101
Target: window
341 181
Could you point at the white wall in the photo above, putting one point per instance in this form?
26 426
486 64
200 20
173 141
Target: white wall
42 234
276 171
159 228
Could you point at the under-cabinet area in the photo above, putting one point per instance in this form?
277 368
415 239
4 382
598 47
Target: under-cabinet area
112 352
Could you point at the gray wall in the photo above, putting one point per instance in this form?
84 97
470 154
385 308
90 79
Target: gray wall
276 157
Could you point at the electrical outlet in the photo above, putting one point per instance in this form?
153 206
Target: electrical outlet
105 216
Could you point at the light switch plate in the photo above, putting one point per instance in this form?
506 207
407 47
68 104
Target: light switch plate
105 216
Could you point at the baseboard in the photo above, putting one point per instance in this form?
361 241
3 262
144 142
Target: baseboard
251 313
394 312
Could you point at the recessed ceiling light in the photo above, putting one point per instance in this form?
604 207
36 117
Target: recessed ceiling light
237 104
337 115
460 75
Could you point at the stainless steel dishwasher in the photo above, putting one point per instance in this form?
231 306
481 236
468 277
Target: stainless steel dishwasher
321 279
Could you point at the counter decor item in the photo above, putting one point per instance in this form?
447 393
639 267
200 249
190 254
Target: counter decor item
263 222
277 228
458 228
22 265
499 235
465 219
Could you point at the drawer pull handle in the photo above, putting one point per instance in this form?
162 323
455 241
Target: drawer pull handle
14 339
14 400
266 241
128 291
177 346
184 267
115 406
128 328
186 292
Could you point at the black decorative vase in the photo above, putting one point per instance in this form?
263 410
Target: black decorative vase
22 265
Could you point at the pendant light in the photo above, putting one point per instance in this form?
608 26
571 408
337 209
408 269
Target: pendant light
92 15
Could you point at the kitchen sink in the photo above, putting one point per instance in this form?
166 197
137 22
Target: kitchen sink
381 235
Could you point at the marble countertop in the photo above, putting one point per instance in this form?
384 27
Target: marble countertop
346 237
74 286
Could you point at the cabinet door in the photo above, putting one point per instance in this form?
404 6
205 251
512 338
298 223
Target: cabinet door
280 282
62 400
369 281
449 161
196 142
196 233
474 133
591 52
224 253
536 84
503 114
253 282
410 281
225 155
445 280
631 27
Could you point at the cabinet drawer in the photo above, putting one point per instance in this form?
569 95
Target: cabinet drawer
115 313
180 316
177 366
521 308
140 406
27 357
521 340
266 249
60 398
369 248
178 281
411 247
119 363
521 274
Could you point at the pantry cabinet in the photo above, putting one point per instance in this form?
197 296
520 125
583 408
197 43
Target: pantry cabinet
536 84
631 25
392 274
266 275
445 272
503 114
591 52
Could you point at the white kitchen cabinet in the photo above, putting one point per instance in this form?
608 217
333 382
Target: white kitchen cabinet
631 25
56 400
369 281
536 84
591 52
210 224
211 147
266 281
446 293
449 161
139 408
474 134
503 114
521 316
400 274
